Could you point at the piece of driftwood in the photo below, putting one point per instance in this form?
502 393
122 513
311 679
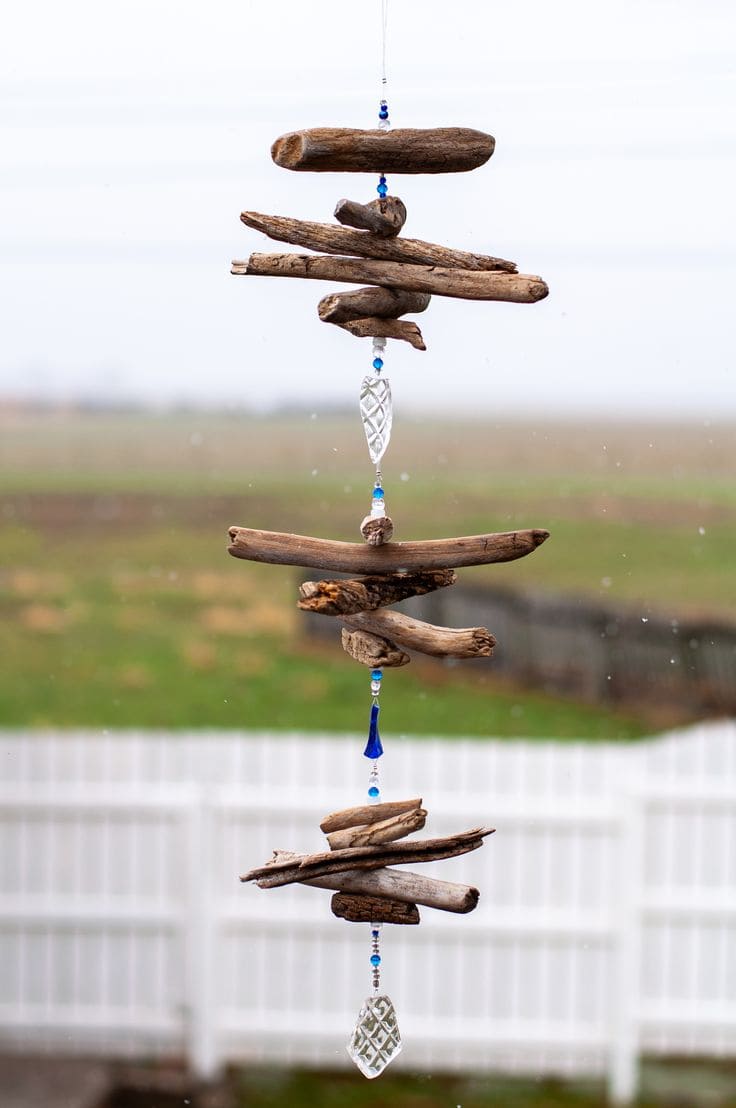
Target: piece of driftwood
376 530
385 216
372 909
414 634
368 813
385 831
375 328
369 303
373 650
280 548
285 869
462 284
343 240
405 150
345 597
412 888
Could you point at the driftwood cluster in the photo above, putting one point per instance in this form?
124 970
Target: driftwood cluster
363 846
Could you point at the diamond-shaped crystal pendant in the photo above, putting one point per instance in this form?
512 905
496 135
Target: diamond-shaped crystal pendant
375 1040
376 411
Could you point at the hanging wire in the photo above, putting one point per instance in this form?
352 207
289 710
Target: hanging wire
384 24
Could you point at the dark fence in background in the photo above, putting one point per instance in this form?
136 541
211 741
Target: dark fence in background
594 653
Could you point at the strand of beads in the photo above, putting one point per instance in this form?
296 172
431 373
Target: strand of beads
376 956
384 124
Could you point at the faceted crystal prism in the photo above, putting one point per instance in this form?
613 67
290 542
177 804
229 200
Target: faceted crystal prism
375 1041
376 411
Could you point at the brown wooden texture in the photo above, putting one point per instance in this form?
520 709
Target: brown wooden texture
377 530
385 831
412 888
374 328
373 650
287 870
345 597
414 634
368 813
462 284
372 909
280 548
385 216
370 302
343 240
404 150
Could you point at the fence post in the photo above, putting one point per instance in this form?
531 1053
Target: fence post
201 1030
623 1060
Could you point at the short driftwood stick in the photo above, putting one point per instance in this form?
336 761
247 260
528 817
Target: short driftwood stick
343 240
370 302
385 831
368 813
376 530
462 284
441 642
412 888
372 909
400 329
385 216
285 869
345 597
348 150
373 650
279 548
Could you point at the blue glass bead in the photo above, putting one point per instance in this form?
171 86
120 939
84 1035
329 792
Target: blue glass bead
375 959
374 791
378 493
382 180
378 363
375 934
376 675
382 190
373 748
383 114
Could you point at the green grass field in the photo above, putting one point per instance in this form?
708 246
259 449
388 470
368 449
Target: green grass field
121 607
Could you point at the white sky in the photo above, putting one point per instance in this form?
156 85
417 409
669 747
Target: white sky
132 135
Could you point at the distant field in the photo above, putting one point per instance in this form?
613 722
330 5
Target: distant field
121 607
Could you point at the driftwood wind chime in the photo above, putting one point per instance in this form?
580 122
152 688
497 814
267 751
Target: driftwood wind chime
367 842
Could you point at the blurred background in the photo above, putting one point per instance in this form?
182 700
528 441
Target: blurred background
169 717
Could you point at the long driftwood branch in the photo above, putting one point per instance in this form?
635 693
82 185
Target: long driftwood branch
462 284
348 150
385 216
386 303
372 909
345 597
343 240
412 888
403 330
385 831
368 813
414 634
285 870
373 650
279 548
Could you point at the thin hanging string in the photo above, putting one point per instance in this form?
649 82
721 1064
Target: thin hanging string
384 24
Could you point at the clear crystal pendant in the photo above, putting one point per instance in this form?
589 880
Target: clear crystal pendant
376 411
375 1040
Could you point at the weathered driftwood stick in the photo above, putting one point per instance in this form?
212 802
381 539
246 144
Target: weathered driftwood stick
385 831
345 597
373 650
385 216
441 642
462 284
279 548
412 888
285 869
343 240
406 150
401 329
368 813
376 530
372 909
341 307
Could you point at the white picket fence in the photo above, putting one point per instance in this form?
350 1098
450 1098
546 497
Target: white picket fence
606 926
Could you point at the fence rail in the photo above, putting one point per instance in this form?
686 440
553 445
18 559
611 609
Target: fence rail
607 922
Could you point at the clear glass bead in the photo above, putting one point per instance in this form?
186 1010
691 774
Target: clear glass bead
375 687
376 412
384 124
379 345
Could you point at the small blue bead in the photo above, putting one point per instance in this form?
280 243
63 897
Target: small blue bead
375 959
375 934
374 791
382 190
383 114
382 180
376 675
378 493
378 363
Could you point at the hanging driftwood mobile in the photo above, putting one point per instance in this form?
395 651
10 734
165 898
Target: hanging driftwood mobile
401 275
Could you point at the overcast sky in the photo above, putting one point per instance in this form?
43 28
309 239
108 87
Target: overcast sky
132 135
